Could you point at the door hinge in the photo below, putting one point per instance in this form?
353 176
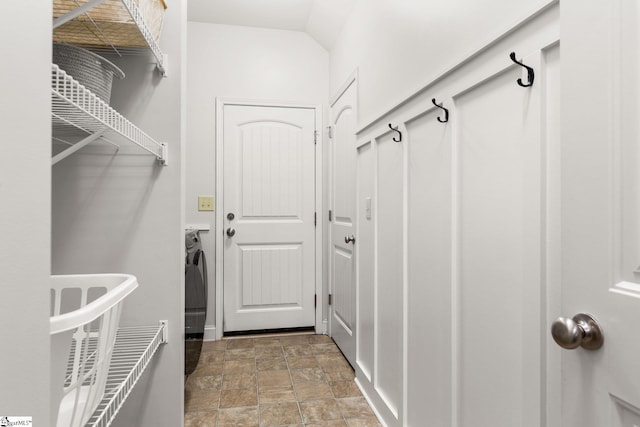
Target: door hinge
315 301
315 219
330 132
315 137
330 215
330 299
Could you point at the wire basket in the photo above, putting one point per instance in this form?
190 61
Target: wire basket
92 71
85 312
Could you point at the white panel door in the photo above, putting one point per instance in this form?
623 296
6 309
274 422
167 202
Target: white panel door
343 188
601 209
269 208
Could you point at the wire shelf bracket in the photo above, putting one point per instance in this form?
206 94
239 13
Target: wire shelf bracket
75 147
73 104
133 351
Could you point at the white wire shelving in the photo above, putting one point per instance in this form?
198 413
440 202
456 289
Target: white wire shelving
79 117
102 13
134 349
74 106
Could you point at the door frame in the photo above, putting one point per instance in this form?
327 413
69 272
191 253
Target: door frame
352 80
219 210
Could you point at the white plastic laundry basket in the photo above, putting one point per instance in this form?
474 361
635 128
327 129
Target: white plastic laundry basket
85 311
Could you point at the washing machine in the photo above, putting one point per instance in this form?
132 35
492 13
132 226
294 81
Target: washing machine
195 300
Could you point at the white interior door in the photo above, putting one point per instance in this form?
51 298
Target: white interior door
269 217
601 209
342 247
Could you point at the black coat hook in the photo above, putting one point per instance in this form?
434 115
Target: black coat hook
446 112
399 133
530 73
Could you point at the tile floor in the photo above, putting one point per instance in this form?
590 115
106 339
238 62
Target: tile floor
290 380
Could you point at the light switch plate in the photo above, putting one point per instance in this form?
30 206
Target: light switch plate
205 203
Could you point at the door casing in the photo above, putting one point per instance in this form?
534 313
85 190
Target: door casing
219 211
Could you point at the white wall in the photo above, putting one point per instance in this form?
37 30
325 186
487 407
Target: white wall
246 63
25 206
400 46
122 212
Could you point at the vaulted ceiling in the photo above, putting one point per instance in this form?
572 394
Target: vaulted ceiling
321 19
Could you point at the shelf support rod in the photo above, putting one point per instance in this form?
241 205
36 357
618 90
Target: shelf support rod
63 19
75 147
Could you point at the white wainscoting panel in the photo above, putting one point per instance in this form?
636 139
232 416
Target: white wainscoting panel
389 281
499 238
429 251
458 260
365 266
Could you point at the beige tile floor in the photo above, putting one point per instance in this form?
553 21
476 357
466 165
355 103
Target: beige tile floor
290 380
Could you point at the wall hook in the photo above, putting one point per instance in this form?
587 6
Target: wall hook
399 133
446 112
530 73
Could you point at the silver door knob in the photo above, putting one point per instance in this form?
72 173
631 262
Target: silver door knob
231 232
580 331
350 239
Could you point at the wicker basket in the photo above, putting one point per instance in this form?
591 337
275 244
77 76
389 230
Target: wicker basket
90 70
108 24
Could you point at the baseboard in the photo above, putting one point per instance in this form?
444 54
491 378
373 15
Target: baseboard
371 405
209 333
325 327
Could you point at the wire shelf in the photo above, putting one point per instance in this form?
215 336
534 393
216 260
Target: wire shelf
108 23
134 348
75 106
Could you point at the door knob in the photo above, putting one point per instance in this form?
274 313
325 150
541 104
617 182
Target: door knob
231 232
350 239
580 331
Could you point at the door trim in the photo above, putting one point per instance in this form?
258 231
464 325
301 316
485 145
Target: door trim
219 212
353 78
